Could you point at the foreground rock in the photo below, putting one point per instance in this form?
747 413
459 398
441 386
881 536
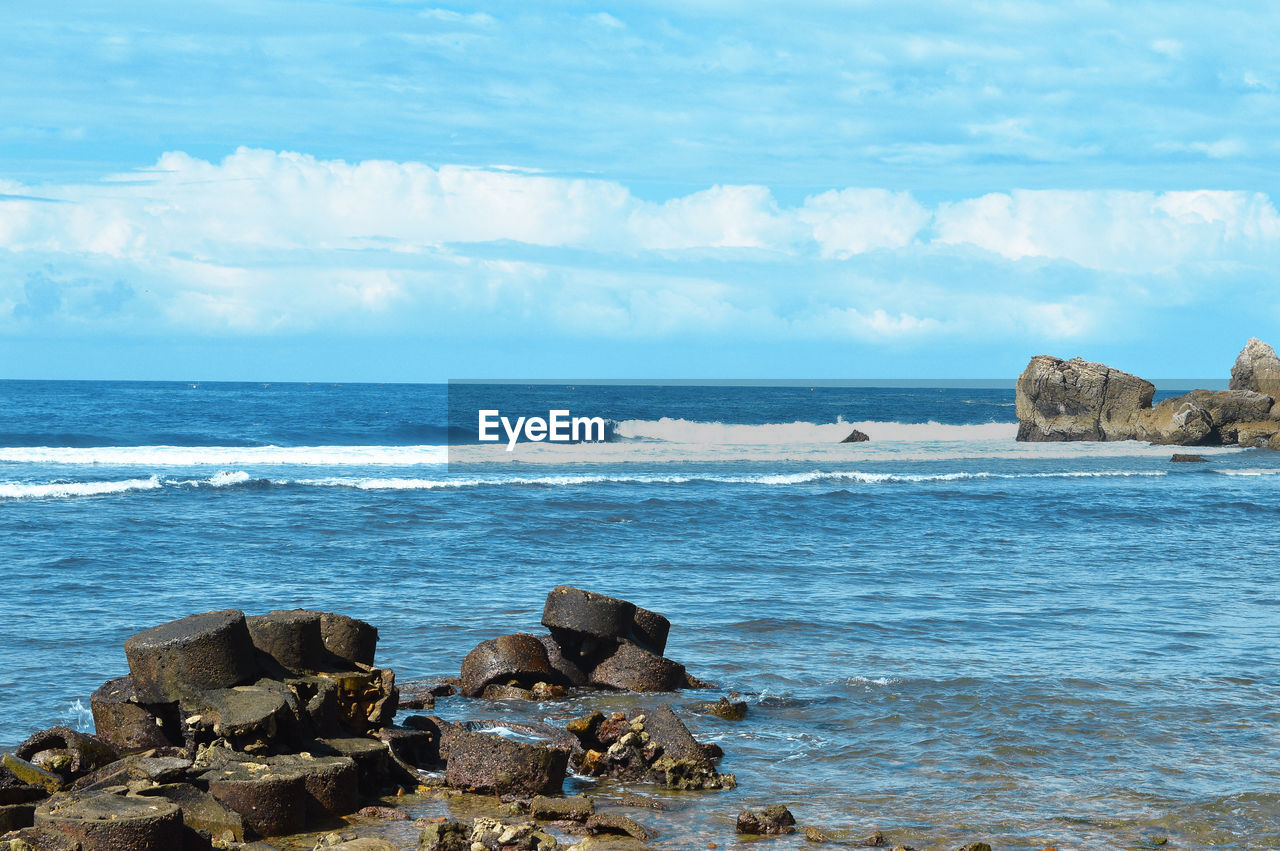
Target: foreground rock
1061 400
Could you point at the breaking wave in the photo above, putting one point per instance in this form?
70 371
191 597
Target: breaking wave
229 480
62 490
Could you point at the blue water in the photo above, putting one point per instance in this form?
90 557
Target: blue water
943 634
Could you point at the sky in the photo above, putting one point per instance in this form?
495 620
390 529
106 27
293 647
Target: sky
406 191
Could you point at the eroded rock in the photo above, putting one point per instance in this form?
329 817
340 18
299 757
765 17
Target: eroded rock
197 653
491 764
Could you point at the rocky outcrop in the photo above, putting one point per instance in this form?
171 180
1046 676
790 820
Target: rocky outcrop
1257 368
1063 400
1078 400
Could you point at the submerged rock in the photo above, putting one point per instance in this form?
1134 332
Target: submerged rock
1179 458
775 819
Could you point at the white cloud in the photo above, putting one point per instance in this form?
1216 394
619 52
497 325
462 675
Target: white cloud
265 242
1114 230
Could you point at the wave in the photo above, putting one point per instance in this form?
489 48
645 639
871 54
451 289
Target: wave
62 490
228 456
1252 471
778 434
59 490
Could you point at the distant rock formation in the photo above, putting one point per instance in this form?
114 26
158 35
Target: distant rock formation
1257 368
1075 399
1078 400
856 436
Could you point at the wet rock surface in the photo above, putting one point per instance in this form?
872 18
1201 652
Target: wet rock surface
651 746
775 819
486 762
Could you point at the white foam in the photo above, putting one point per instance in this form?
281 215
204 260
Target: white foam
1252 471
224 479
228 456
62 490
782 434
773 480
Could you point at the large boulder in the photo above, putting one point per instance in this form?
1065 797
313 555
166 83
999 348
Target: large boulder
518 659
491 764
1257 368
196 653
1078 400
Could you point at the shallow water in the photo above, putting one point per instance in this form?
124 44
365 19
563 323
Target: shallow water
943 634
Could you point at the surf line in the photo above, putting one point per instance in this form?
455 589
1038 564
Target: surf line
559 426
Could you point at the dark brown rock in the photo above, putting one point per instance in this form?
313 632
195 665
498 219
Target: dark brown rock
632 668
289 639
729 710
445 836
1179 458
670 733
29 774
856 436
561 809
196 653
565 665
351 640
587 613
510 660
16 816
15 791
251 718
617 824
270 796
125 724
373 761
332 782
66 752
650 630
145 765
776 819
103 821
202 814
488 763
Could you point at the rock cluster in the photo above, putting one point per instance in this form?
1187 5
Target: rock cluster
226 728
593 641
1062 400
652 745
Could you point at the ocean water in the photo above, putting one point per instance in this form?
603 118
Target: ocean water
942 634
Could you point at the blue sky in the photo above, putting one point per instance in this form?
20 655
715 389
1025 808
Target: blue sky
411 191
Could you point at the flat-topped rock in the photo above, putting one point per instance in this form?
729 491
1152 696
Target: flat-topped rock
587 613
490 764
351 640
200 652
104 821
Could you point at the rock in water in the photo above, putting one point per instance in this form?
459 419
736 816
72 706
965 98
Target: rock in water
1179 458
1078 400
1257 368
856 436
776 819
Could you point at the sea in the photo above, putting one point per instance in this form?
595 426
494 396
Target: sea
940 633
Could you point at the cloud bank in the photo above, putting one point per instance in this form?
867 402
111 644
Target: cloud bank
266 243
